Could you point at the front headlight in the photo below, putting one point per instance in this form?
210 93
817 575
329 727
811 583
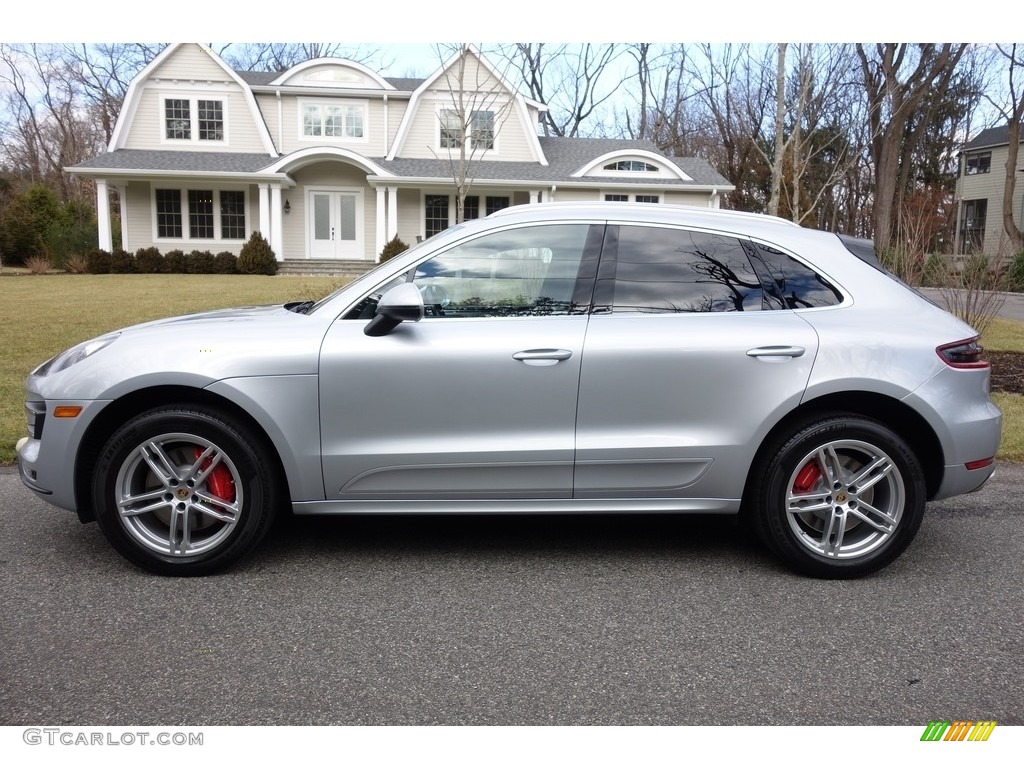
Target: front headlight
74 355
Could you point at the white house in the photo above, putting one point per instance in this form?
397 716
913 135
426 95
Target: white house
329 160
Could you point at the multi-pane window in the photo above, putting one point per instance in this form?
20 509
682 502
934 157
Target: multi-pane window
471 208
979 163
194 119
232 215
496 204
168 212
972 226
178 119
480 129
436 214
451 129
211 120
647 198
191 214
340 121
616 198
635 166
200 214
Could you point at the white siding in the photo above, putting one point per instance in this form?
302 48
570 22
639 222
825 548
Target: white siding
139 229
327 175
190 73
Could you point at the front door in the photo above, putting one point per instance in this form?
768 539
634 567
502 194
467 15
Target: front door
477 400
335 224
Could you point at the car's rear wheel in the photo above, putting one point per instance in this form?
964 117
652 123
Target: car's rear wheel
840 497
182 491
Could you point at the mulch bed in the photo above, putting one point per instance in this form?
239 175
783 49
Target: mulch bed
1007 371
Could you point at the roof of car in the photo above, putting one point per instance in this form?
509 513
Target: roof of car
664 213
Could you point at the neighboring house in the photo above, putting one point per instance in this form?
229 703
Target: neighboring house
329 160
979 192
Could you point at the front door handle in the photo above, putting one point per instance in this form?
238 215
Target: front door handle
542 356
776 353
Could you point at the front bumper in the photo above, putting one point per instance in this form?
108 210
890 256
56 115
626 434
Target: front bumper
46 462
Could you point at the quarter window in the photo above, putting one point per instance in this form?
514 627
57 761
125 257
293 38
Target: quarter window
787 283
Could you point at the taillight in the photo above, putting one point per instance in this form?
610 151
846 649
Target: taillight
963 354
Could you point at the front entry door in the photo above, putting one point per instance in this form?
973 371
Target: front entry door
335 224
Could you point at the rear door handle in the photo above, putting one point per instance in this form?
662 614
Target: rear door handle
775 353
542 356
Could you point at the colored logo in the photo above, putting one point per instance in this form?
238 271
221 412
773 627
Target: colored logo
958 730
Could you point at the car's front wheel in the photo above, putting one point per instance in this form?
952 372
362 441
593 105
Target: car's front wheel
840 497
182 491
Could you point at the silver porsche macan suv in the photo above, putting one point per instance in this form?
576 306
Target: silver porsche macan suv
549 358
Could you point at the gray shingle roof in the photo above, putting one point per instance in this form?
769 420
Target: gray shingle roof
266 78
565 156
991 137
171 160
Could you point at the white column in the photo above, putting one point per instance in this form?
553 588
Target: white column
381 222
392 213
265 210
276 224
122 198
106 240
534 196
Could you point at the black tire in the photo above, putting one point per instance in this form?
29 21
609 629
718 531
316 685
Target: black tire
839 497
197 491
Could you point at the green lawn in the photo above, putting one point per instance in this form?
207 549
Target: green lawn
42 315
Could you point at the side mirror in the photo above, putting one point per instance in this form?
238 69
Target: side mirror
403 303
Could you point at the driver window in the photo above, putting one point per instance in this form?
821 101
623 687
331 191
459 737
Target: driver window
514 273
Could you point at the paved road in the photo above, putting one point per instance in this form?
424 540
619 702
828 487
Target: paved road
1011 306
513 620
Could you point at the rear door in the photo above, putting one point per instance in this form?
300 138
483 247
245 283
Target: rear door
686 365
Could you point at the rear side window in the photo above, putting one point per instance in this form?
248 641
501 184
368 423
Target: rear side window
787 283
664 270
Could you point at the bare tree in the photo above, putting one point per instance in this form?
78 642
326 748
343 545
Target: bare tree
103 72
1014 114
480 104
46 127
278 57
574 81
899 80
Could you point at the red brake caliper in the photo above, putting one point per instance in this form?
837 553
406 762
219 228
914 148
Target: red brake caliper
806 479
219 481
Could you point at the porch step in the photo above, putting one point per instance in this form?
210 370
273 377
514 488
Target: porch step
333 267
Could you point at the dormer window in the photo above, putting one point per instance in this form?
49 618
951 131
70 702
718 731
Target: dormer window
191 119
481 129
334 121
632 166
